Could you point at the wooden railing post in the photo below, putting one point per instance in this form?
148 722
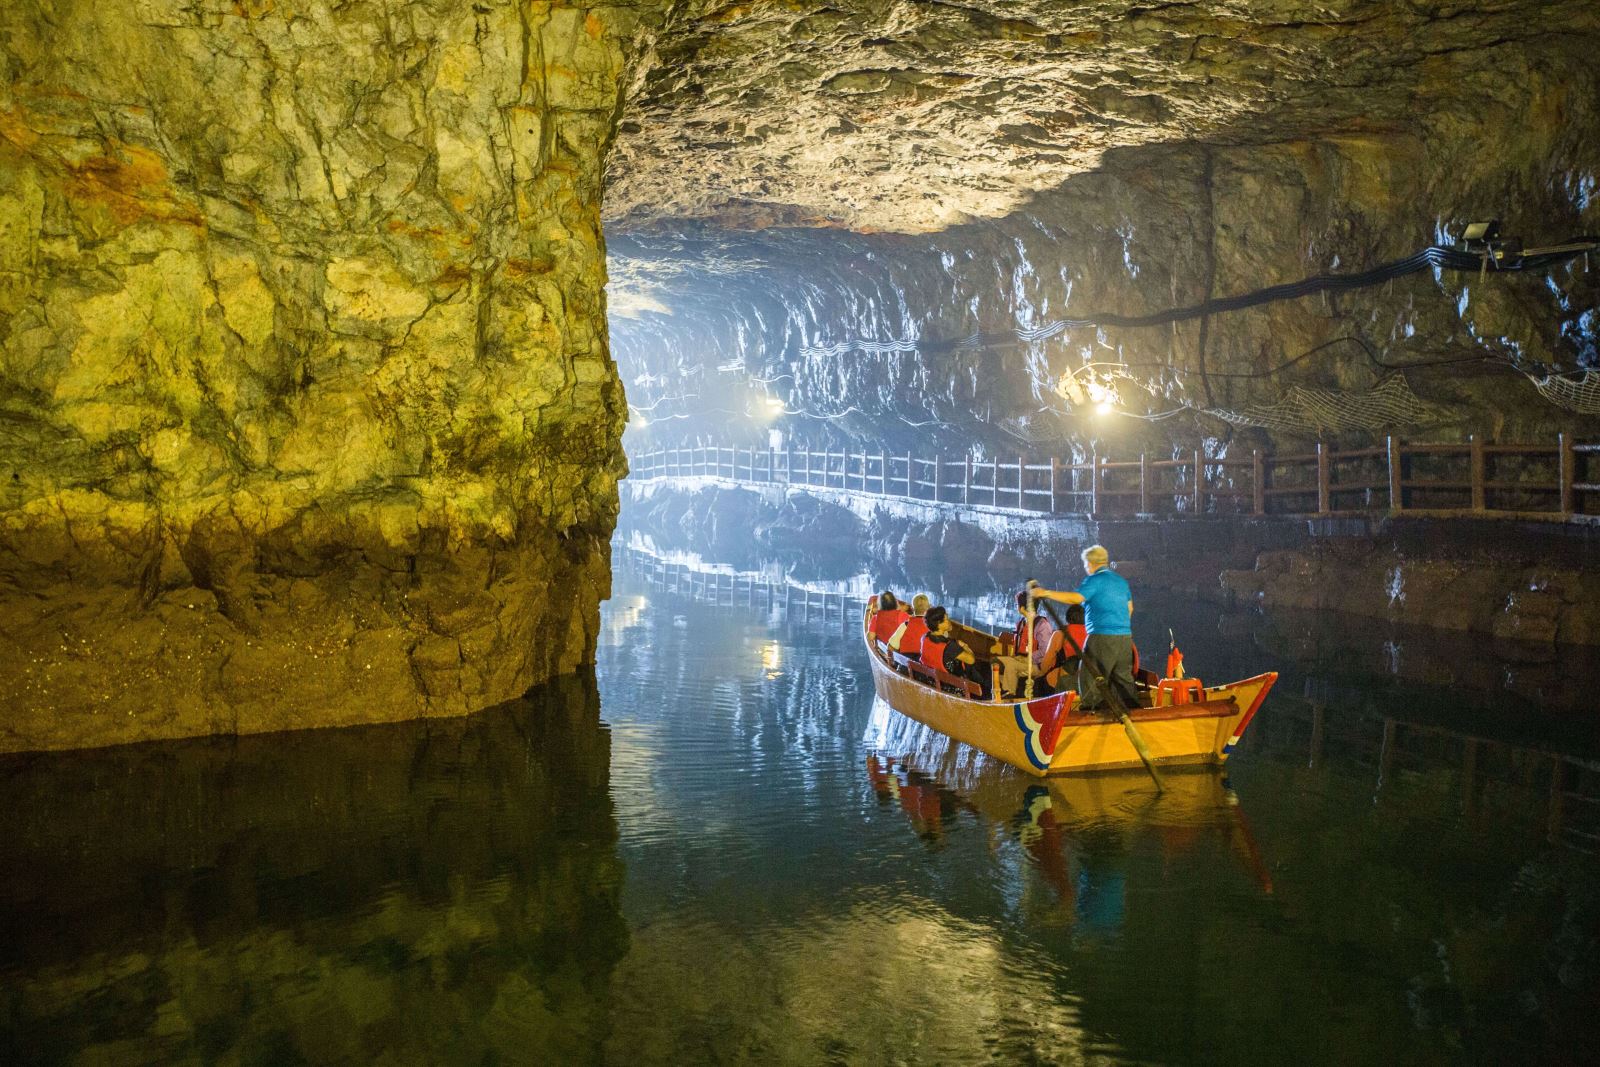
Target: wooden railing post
1199 482
883 475
966 481
1022 500
1144 484
1397 489
1475 444
938 466
909 491
863 470
1258 483
1055 479
1566 474
1094 485
1324 480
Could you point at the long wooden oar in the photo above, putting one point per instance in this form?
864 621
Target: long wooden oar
1112 697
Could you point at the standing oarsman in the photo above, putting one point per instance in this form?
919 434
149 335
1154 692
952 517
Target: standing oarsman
1108 618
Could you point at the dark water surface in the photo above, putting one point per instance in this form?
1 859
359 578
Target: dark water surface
724 852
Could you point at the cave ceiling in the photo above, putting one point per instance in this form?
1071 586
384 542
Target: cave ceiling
912 117
789 173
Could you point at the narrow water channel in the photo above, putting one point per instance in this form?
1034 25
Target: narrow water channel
721 849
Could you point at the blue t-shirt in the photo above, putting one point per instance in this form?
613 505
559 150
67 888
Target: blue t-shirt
1105 603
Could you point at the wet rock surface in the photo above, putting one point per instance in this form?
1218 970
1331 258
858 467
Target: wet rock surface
880 115
983 170
307 415
1526 587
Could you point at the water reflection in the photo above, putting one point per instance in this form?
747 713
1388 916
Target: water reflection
1068 827
1391 871
435 892
1366 885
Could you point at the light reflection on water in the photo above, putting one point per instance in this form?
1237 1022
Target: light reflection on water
730 852
1365 885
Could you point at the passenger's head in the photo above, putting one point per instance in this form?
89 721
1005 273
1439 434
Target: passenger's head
1022 602
1095 557
937 620
920 603
886 601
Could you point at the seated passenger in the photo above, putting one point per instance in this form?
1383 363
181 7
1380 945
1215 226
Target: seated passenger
888 617
943 650
1015 666
1064 666
908 639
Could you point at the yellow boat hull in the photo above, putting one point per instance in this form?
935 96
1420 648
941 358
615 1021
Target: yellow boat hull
1045 736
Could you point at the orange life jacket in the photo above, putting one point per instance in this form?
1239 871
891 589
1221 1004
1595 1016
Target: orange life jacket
885 623
911 640
933 650
1079 633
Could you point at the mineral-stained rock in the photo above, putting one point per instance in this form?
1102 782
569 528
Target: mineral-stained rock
1452 584
306 411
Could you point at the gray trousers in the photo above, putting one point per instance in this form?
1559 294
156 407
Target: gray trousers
1114 654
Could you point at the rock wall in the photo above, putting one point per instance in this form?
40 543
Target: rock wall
1156 227
307 415
984 169
1525 585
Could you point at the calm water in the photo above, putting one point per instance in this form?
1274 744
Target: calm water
722 851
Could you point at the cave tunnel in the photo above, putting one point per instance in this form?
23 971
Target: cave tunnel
755 532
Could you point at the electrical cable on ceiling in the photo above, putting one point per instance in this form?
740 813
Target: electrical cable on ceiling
1489 257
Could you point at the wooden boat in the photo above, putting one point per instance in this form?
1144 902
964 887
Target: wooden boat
1050 735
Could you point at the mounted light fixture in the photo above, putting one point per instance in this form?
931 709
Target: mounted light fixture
1085 388
1483 238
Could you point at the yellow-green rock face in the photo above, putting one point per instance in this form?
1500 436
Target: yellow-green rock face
306 412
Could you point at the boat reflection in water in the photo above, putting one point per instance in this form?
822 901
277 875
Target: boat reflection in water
1073 830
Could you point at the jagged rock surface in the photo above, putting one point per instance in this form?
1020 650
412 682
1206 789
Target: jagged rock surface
1229 150
307 416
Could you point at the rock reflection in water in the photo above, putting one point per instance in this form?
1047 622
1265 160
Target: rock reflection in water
429 892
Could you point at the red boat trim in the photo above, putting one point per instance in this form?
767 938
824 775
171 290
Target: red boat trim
1255 705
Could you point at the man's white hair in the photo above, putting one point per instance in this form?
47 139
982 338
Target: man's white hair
1096 555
